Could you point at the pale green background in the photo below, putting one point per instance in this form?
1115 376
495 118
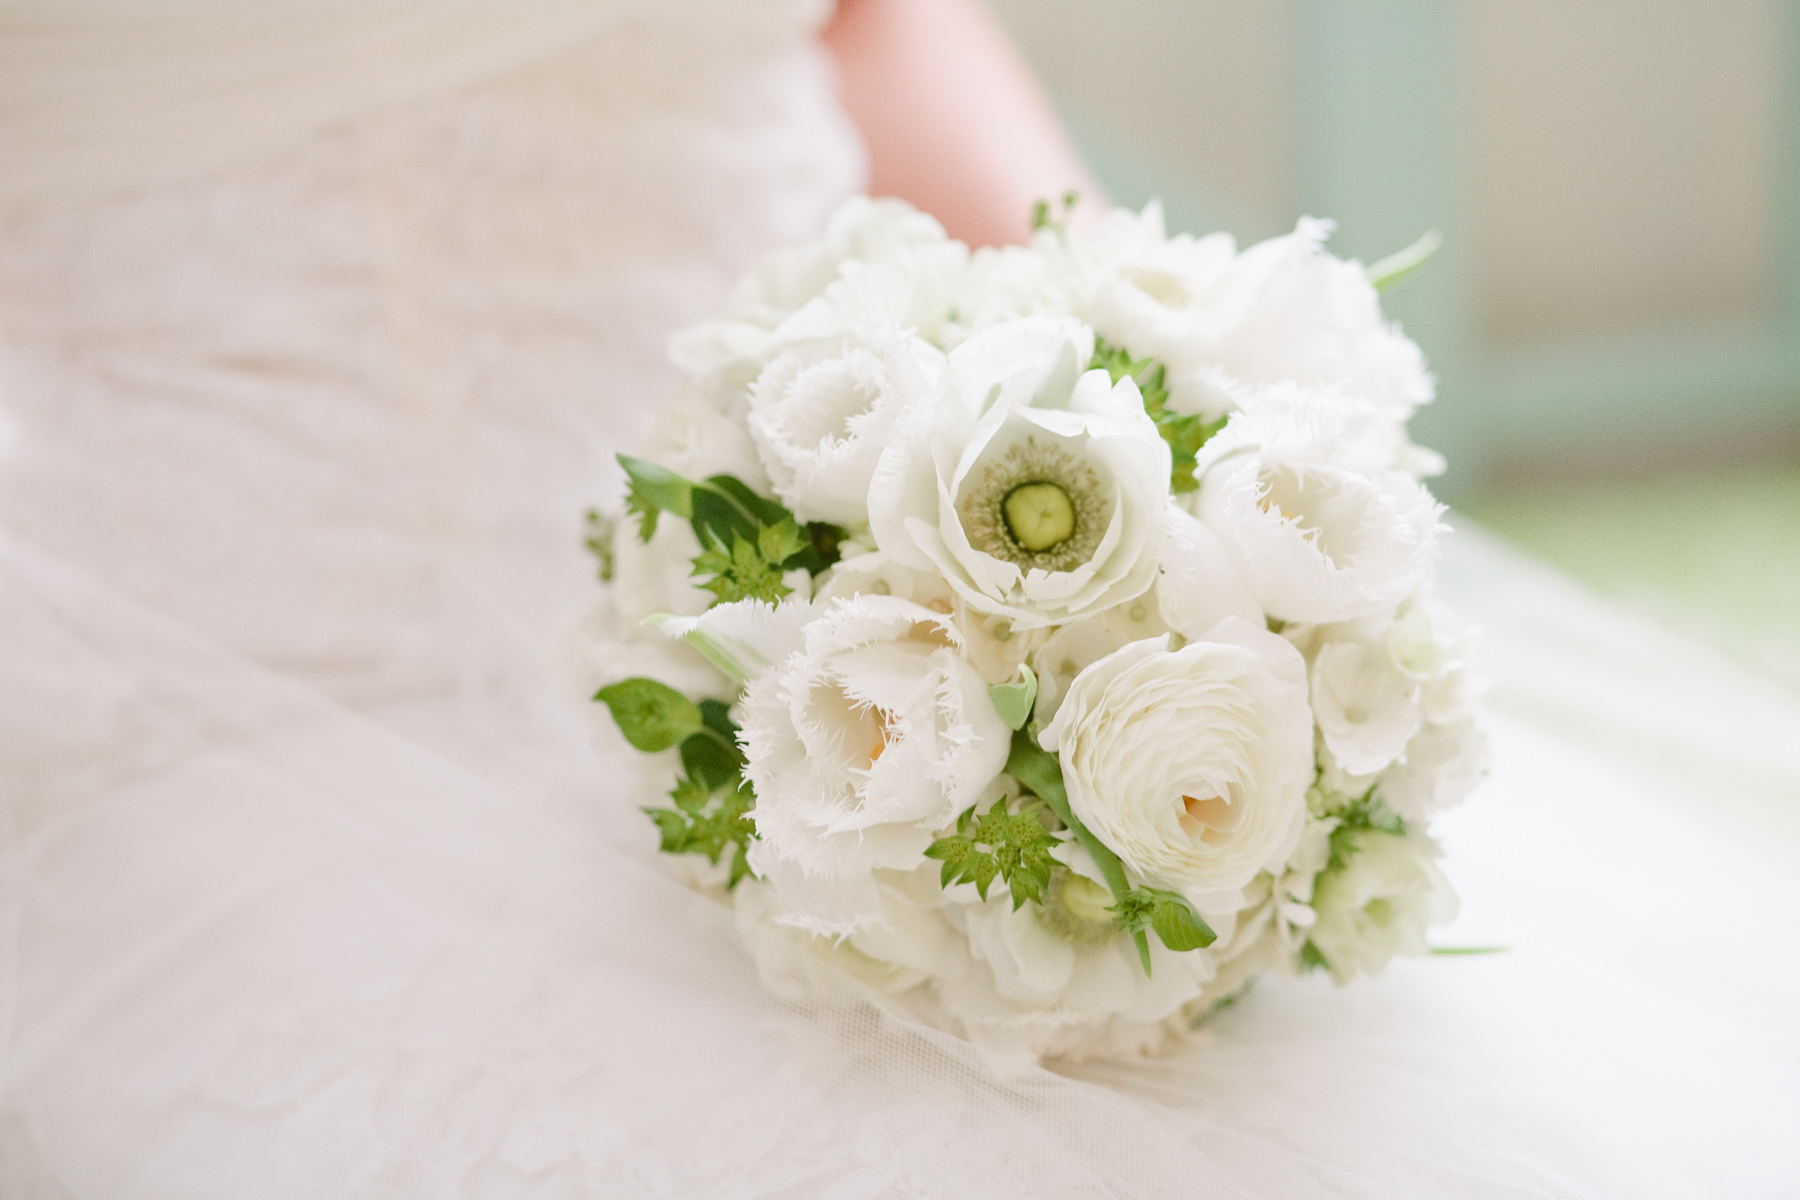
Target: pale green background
1615 317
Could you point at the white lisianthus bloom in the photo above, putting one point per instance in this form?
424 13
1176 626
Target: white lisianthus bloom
1365 700
1308 317
868 740
1288 488
1442 765
1168 299
1074 647
824 408
1191 765
1202 582
1378 903
1035 488
886 234
699 431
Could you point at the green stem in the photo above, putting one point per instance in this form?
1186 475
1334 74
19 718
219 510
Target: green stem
1040 771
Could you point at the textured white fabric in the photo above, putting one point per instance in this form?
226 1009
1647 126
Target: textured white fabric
318 880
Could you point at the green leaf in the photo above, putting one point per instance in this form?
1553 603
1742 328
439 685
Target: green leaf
653 716
1355 817
602 531
1014 701
1185 433
1458 951
1180 927
781 541
740 574
714 761
1397 266
1039 770
1168 914
719 825
1311 959
998 844
654 490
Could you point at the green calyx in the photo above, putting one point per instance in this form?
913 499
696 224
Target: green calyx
1039 515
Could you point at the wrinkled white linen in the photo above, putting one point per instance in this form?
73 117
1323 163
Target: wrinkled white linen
318 880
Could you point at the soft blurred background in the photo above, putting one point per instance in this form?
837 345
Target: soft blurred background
1614 317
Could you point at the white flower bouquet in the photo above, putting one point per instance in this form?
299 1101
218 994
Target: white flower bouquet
1042 635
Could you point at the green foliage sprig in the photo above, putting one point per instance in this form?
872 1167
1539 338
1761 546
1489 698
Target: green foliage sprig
1011 846
1362 814
1185 434
712 815
1136 908
1040 213
747 541
1173 919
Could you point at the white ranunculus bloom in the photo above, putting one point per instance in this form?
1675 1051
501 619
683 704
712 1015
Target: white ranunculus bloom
1191 765
824 408
1293 489
1378 903
869 739
1035 488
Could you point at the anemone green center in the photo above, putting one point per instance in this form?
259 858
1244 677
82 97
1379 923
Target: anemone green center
1039 515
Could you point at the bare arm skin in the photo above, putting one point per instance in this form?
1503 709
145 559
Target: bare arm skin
954 121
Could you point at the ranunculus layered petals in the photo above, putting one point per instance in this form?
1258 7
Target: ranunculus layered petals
1191 765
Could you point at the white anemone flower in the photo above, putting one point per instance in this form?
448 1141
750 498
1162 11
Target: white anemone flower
868 740
1321 531
824 408
1379 903
1035 488
1191 765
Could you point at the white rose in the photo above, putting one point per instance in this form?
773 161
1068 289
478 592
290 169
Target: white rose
865 742
1287 488
1191 765
1035 488
1378 903
824 408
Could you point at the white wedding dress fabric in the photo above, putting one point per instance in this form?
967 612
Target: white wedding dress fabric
319 326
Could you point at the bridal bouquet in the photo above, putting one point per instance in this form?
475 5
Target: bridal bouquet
1043 635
